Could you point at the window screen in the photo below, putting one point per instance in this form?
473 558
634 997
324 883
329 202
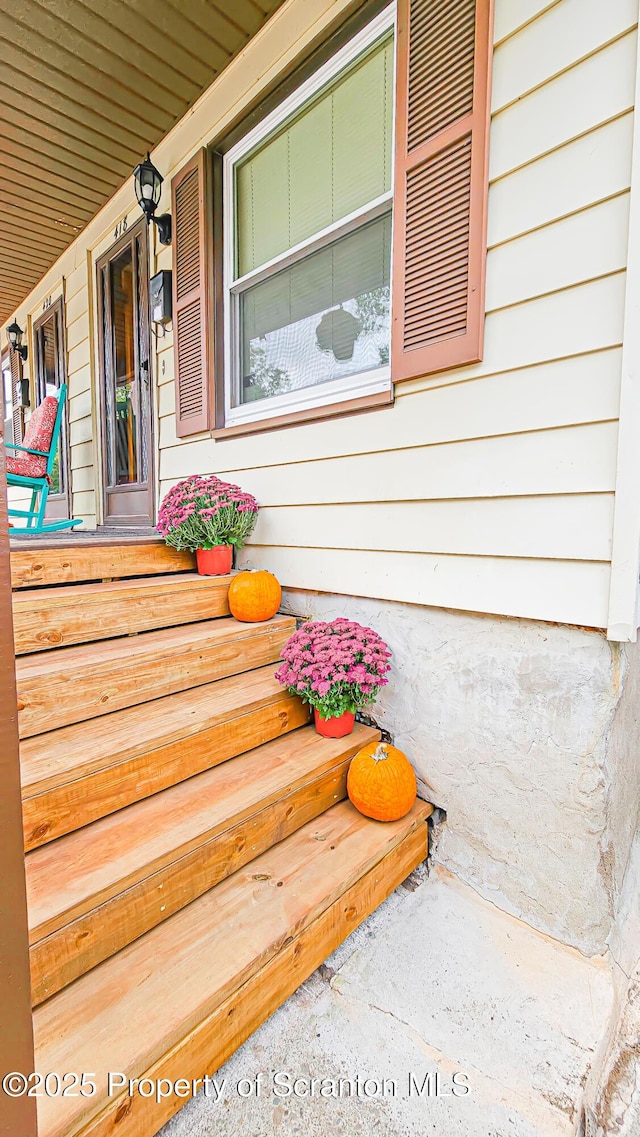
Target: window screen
322 318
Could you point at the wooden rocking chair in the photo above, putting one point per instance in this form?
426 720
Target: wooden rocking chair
32 467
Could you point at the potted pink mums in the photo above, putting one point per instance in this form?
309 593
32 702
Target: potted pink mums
208 517
337 668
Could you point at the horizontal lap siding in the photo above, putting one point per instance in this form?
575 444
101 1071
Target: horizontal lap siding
512 16
569 31
490 488
560 393
591 93
566 460
539 589
79 377
558 526
589 170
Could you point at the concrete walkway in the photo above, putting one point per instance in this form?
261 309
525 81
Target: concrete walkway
436 982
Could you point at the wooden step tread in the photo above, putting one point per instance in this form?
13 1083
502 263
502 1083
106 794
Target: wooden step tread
81 559
70 684
45 618
78 773
186 994
95 890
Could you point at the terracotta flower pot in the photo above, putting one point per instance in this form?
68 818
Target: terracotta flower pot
216 561
336 727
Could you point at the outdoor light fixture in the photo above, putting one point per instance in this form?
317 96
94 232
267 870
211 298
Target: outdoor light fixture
15 334
148 183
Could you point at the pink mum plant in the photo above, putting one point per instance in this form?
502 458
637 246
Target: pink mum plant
200 512
335 667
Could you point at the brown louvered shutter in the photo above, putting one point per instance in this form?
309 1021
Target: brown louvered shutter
440 194
18 426
191 208
18 409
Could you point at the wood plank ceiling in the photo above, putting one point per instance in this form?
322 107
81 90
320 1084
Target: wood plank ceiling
86 88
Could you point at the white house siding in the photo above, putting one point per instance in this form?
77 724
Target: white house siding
490 488
80 379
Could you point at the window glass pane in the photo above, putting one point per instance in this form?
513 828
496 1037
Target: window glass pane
8 399
49 386
124 360
323 318
109 389
331 160
48 378
144 394
48 381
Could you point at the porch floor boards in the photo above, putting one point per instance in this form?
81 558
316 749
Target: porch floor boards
78 537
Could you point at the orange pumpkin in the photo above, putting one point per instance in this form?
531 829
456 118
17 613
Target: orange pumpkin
381 782
254 596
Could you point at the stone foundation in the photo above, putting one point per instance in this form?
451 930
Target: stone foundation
527 735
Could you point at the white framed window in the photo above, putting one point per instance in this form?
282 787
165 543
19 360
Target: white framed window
307 240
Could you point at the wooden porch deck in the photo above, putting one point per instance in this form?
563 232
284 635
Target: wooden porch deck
69 539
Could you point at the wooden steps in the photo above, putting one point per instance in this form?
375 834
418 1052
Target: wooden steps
72 684
75 559
178 1001
76 774
47 618
191 857
96 890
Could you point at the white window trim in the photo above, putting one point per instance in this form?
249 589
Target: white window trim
337 390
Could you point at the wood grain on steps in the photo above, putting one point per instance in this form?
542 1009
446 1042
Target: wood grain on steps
178 1001
71 684
45 618
95 891
68 563
76 774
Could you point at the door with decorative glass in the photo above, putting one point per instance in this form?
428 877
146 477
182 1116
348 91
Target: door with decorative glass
125 380
50 372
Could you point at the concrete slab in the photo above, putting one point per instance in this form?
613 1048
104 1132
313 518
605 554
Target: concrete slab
466 1021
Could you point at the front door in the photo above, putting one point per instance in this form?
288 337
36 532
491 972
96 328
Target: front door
50 373
125 380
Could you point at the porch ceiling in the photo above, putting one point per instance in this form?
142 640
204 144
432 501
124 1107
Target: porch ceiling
86 89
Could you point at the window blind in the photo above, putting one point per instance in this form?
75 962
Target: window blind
334 157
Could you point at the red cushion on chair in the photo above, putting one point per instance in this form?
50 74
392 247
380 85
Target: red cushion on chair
37 436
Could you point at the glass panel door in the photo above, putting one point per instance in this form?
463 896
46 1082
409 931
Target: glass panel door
125 356
123 449
50 374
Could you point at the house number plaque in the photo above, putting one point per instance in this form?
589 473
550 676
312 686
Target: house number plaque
120 228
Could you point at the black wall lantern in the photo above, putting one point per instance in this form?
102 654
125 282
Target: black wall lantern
15 334
148 183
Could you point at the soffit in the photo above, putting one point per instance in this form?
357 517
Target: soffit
86 89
